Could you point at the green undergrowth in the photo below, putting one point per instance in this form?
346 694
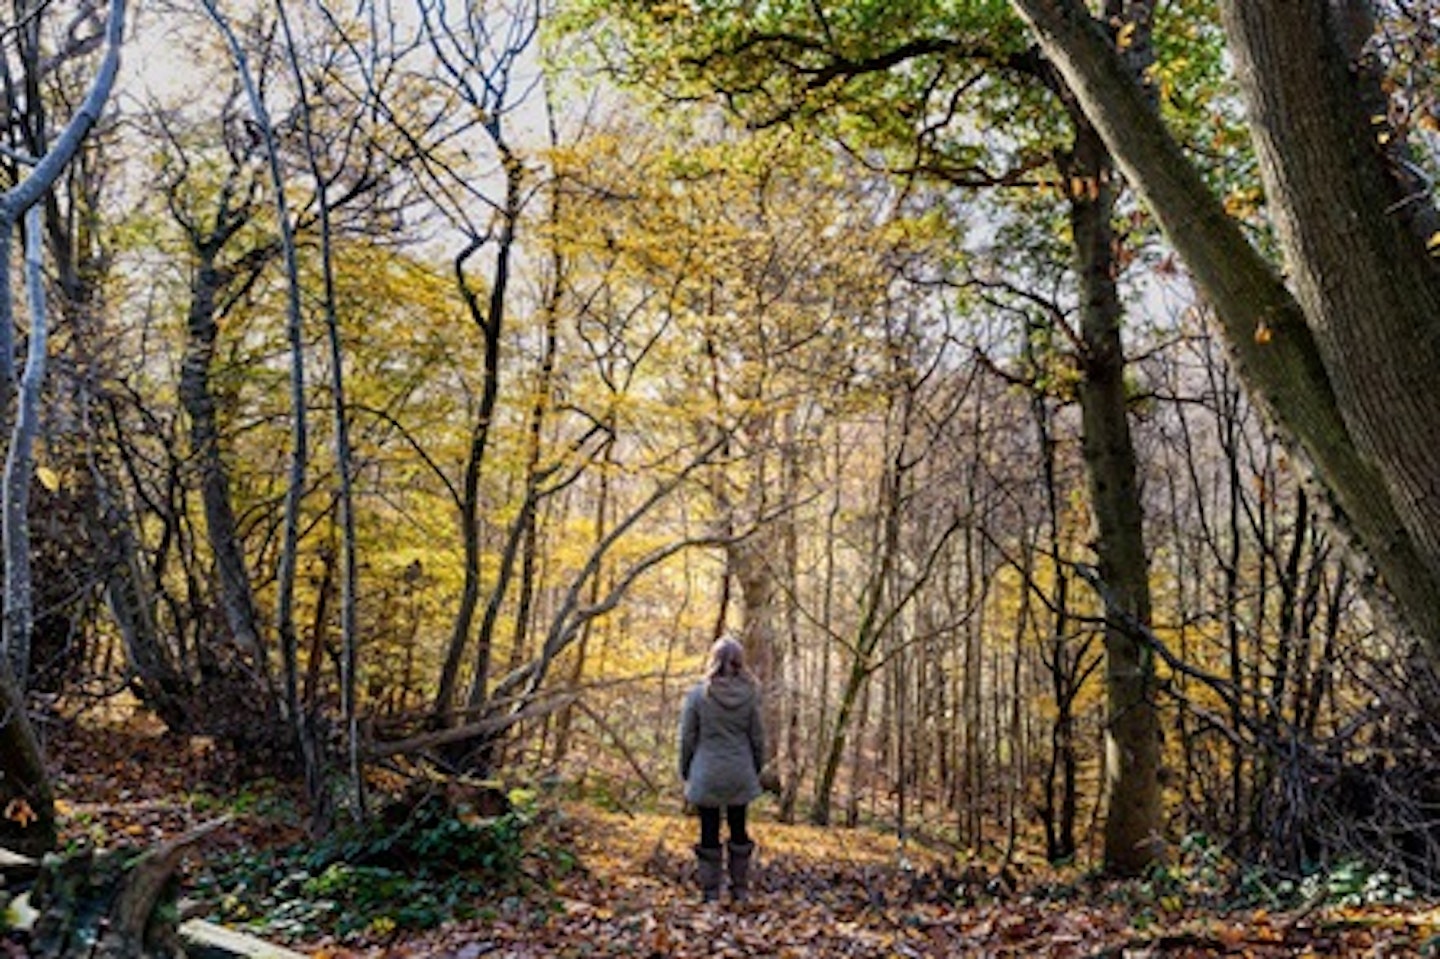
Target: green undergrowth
415 866
1202 876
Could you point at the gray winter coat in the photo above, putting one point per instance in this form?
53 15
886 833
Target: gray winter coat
722 742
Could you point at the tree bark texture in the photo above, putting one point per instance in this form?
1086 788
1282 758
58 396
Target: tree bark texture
20 463
1368 287
1339 364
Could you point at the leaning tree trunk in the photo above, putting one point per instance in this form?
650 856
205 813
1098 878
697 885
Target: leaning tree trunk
1355 243
1346 364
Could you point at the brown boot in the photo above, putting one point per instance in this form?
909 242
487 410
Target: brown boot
740 869
709 871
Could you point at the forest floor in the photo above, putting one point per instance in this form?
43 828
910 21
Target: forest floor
847 893
627 887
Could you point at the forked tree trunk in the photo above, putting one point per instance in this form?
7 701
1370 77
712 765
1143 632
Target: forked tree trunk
198 399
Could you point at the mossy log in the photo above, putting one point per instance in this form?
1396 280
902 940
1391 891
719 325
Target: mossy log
115 904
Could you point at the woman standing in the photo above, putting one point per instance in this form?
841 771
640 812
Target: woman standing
722 746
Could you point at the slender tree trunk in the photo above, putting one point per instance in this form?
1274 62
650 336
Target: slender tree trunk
539 409
1058 790
28 826
820 809
827 613
868 631
582 646
1134 816
789 775
489 319
20 462
972 686
349 567
1229 426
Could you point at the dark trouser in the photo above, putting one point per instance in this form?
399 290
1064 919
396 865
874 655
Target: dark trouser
710 825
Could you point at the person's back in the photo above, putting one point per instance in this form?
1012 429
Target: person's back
722 747
725 757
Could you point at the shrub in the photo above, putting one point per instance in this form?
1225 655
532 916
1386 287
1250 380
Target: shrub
417 864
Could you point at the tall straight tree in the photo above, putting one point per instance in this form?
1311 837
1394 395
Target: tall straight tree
309 734
1134 815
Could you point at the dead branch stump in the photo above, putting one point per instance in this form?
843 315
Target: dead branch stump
115 904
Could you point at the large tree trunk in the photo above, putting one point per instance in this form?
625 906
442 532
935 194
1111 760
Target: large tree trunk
1369 288
755 562
1345 363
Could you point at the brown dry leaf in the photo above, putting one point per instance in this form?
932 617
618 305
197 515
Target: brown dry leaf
19 811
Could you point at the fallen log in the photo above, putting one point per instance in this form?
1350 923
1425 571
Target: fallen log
206 940
15 868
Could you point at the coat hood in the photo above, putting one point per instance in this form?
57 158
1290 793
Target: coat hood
731 692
